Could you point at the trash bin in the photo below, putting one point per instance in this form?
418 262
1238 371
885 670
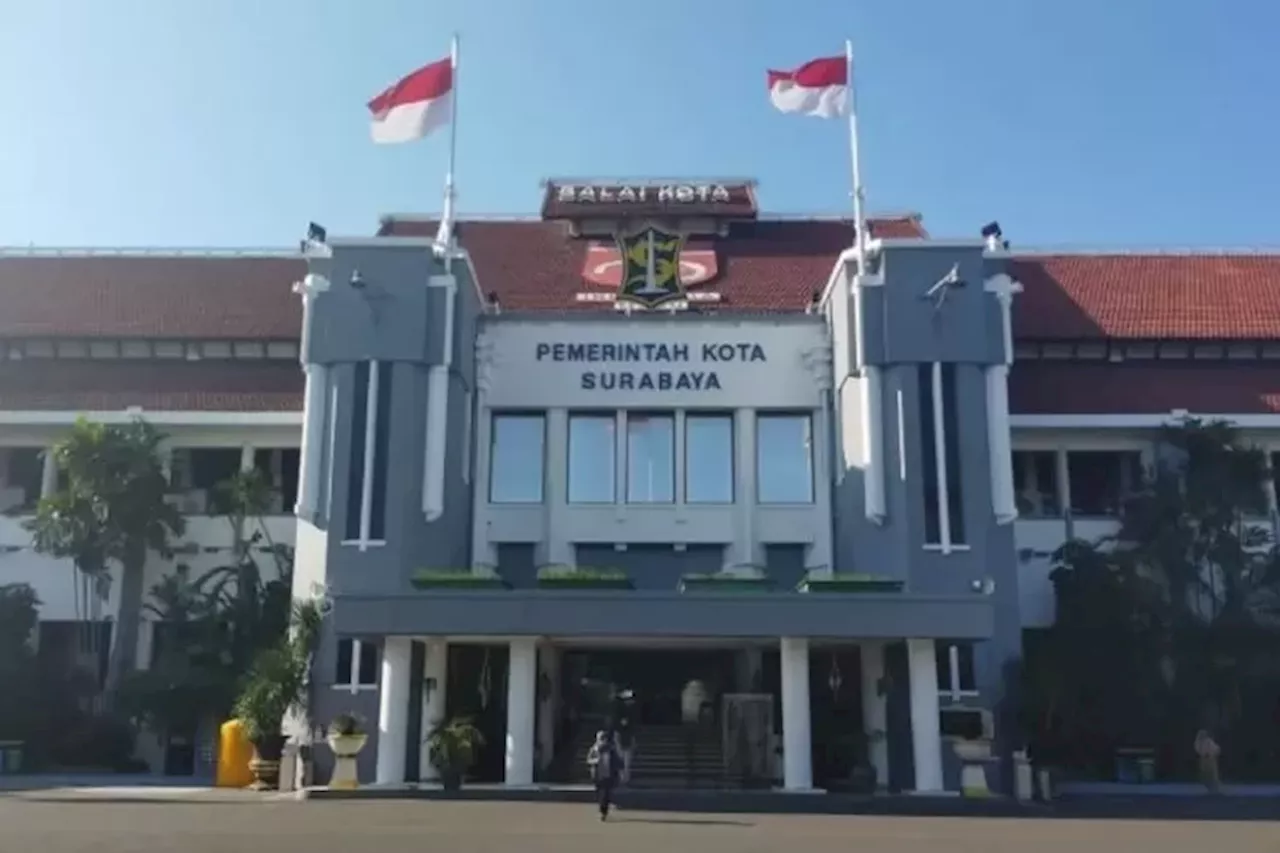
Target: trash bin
1022 781
11 757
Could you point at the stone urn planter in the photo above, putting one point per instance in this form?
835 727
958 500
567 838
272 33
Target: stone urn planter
346 738
265 764
974 756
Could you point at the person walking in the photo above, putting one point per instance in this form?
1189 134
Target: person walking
605 762
625 729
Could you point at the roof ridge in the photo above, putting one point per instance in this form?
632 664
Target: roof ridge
146 252
763 216
1146 251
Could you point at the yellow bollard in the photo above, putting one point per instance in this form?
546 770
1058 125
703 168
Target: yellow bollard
234 754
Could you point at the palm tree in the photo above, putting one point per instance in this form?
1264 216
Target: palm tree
110 509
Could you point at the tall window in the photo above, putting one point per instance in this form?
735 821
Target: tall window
517 457
708 459
592 445
1035 482
1102 480
651 462
366 519
940 455
784 459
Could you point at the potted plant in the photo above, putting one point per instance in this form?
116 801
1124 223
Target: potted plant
451 748
346 738
275 686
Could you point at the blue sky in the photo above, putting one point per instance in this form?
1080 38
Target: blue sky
234 122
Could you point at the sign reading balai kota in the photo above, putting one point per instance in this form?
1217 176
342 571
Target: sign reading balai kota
650 366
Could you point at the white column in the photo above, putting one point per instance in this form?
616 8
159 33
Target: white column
310 453
393 711
797 773
743 548
558 549
926 736
246 458
435 675
522 682
48 474
999 444
875 714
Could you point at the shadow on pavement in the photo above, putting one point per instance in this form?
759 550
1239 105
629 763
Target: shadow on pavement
677 821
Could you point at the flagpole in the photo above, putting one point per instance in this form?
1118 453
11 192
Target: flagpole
444 235
859 215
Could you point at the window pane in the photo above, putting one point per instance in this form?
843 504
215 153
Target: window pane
651 449
1101 481
516 459
968 676
368 673
784 459
359 424
708 459
342 672
928 455
591 458
381 449
1035 481
951 423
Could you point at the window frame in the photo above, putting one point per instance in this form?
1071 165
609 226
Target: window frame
778 415
647 414
708 415
497 415
353 684
954 688
610 417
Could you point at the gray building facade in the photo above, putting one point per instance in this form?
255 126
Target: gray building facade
813 505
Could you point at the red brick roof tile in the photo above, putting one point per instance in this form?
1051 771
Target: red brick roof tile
91 386
768 265
1148 296
1075 388
149 296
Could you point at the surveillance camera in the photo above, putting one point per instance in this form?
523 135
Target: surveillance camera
357 280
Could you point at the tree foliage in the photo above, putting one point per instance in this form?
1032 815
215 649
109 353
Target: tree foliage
1169 625
109 510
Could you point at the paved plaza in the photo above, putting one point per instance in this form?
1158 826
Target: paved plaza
231 824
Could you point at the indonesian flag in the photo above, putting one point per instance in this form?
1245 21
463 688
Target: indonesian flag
818 88
415 106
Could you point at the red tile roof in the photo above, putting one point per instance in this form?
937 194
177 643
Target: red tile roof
1075 388
768 265
91 386
149 296
1148 296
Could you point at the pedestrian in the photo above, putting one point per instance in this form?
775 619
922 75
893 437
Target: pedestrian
626 733
605 762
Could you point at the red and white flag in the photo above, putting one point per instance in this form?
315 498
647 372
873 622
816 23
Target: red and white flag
818 88
415 106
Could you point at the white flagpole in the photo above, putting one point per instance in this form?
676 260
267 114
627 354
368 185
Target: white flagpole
859 214
444 236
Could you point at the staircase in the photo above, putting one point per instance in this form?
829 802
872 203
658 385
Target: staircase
665 757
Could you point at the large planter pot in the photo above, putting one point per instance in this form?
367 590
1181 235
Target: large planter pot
451 780
974 755
345 749
265 764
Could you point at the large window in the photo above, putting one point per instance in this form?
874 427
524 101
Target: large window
1035 482
592 445
708 458
359 435
1102 480
940 455
357 666
784 459
651 458
957 675
517 458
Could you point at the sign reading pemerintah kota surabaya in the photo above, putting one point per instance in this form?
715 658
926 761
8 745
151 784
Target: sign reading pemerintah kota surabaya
650 366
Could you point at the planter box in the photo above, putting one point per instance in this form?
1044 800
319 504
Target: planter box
427 580
586 582
728 583
851 584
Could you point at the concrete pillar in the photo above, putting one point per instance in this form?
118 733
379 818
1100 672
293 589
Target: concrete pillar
435 676
797 773
875 713
926 735
548 711
522 680
48 474
557 548
743 550
247 458
393 711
